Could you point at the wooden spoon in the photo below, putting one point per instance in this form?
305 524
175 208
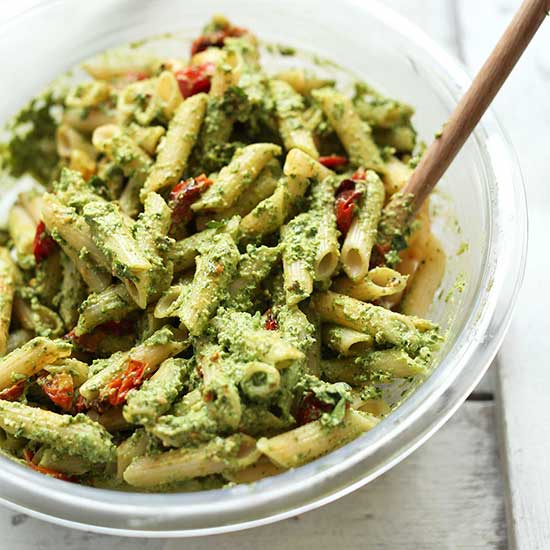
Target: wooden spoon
404 205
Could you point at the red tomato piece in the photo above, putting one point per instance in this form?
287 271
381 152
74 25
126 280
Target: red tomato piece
195 79
359 174
270 322
134 76
118 328
205 41
13 392
90 341
80 405
131 378
215 39
311 409
59 388
345 204
28 455
44 245
184 194
333 161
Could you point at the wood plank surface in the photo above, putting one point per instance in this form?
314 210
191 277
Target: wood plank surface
524 373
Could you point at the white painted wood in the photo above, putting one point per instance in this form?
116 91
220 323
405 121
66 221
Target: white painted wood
446 496
524 376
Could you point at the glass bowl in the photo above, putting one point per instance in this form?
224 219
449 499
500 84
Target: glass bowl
480 202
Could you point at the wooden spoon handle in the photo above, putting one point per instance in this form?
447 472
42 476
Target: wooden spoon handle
481 93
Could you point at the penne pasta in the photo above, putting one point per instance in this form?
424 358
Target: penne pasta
356 371
147 356
112 304
426 280
289 107
112 235
218 315
8 275
263 187
302 80
22 229
347 341
174 151
78 436
179 465
383 325
241 172
29 359
268 216
298 446
361 237
354 133
219 391
156 395
216 267
378 283
243 335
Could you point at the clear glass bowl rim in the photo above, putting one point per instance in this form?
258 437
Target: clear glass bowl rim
311 486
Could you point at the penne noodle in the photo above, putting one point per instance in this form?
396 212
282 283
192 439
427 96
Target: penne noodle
302 80
174 151
347 341
237 176
354 133
182 464
355 371
215 269
77 436
183 307
8 276
300 445
162 345
31 358
426 280
22 229
289 106
361 236
378 283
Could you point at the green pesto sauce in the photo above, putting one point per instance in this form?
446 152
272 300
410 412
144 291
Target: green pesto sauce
32 146
235 284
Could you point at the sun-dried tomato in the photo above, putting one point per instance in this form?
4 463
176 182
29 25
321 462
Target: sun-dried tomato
311 409
184 194
131 378
195 79
80 405
59 388
135 76
28 455
345 204
13 392
359 175
215 39
44 245
333 161
271 322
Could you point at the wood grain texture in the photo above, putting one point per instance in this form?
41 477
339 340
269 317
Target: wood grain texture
524 374
446 496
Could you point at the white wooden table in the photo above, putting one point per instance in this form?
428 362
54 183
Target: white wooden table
484 480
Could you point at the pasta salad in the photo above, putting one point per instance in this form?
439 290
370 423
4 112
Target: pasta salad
200 291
